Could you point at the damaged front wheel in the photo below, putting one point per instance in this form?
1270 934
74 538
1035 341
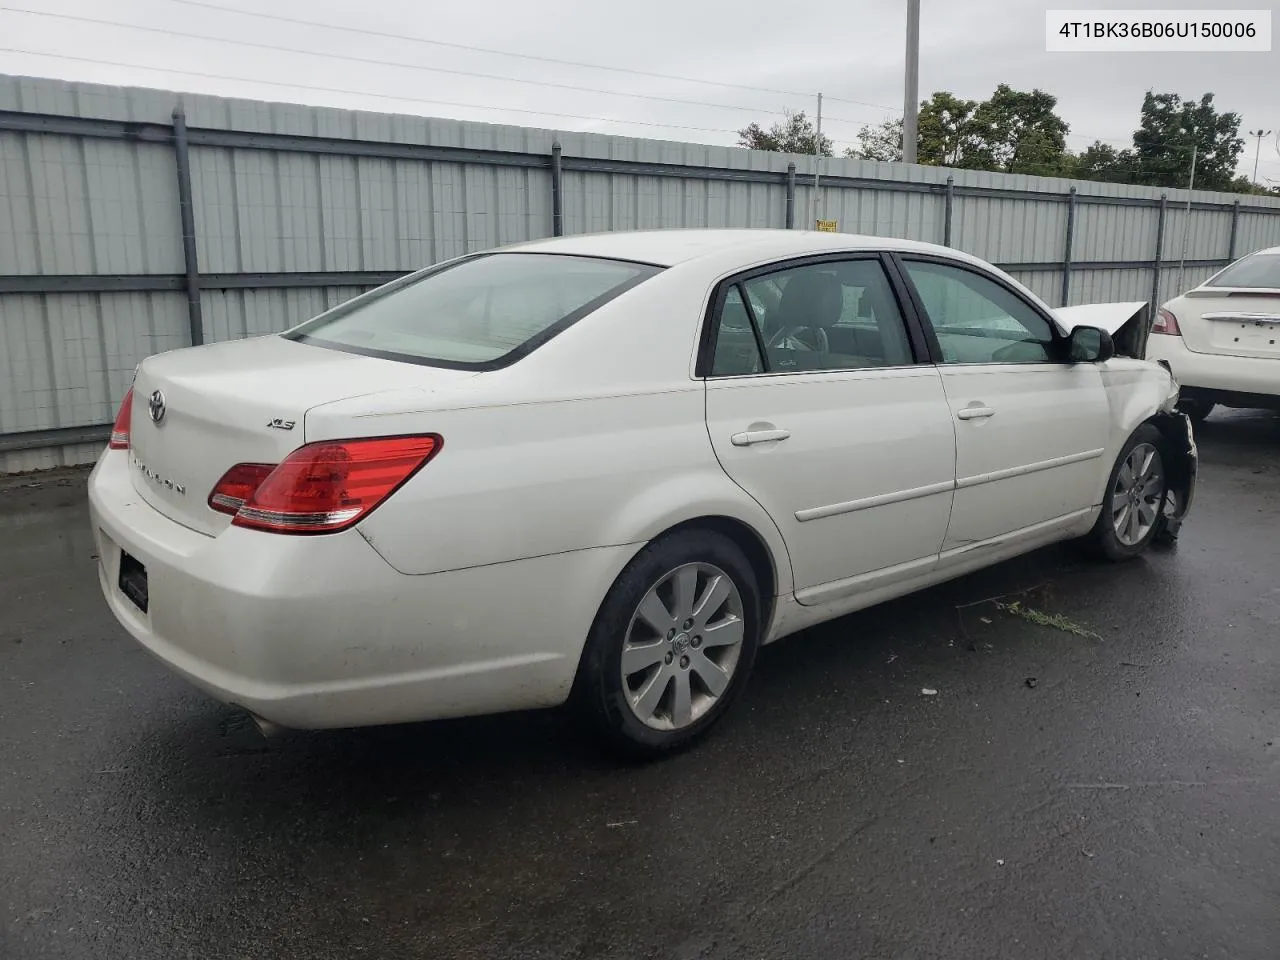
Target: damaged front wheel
1135 502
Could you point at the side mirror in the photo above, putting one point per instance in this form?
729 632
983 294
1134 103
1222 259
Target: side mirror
1091 345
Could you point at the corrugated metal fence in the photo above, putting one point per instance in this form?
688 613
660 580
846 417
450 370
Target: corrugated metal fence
135 221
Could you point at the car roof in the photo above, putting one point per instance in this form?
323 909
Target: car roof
666 248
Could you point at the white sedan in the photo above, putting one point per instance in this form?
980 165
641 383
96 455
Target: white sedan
606 469
1222 339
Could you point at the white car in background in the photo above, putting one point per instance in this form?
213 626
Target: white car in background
1222 338
606 469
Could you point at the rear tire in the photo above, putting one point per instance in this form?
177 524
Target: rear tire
1133 503
686 614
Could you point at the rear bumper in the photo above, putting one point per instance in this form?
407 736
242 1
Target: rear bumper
1215 372
319 632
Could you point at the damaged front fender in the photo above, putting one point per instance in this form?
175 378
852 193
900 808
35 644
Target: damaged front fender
1181 466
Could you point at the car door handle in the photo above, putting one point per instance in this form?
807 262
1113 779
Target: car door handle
975 411
758 436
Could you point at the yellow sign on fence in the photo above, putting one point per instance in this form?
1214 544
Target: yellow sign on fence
827 226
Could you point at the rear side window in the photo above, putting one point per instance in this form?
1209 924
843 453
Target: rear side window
833 315
1258 270
478 313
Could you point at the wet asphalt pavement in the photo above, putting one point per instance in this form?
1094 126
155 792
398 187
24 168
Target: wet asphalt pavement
1126 803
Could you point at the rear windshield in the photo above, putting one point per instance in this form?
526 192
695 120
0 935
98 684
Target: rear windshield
477 313
1258 270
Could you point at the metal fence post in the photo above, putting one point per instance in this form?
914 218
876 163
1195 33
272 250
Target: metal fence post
1155 267
557 195
791 196
182 154
1066 255
948 210
1235 224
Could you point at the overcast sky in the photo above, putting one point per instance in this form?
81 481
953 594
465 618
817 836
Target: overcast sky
851 50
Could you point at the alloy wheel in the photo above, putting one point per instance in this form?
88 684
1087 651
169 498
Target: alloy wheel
682 646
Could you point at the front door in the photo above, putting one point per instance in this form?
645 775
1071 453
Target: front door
1030 427
817 407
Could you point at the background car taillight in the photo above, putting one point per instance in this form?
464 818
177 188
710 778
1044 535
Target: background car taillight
1166 323
120 429
327 486
238 485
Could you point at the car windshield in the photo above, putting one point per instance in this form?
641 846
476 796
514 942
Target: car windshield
476 313
1261 270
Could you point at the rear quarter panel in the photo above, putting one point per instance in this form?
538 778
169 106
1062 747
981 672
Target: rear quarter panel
530 479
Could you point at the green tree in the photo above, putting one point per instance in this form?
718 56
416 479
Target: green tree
1101 161
1013 132
1169 128
881 142
796 134
942 133
946 128
1017 132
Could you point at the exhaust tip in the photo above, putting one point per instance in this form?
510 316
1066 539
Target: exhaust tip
268 729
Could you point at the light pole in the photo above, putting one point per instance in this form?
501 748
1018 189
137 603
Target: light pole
911 95
1259 133
1187 214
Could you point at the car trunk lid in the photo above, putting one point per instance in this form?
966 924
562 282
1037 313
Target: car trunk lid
1231 322
197 412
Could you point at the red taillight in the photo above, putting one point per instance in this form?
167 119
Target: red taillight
331 485
238 485
1166 323
124 418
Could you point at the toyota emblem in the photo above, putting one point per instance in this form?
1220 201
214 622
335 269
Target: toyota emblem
156 405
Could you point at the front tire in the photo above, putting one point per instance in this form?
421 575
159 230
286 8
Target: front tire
672 645
1134 500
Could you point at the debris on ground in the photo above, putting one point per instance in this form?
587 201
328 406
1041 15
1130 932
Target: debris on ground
929 691
1055 621
1031 682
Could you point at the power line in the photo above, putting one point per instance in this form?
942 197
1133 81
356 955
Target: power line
358 93
380 96
297 21
373 61
376 62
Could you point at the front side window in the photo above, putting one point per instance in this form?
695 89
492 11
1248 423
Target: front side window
1259 270
977 320
839 315
478 312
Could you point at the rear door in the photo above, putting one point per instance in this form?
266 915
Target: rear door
1031 428
818 408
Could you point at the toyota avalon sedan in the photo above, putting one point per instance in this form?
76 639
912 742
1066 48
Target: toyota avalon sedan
1222 339
604 470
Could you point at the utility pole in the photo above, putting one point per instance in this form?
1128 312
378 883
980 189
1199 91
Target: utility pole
1186 216
814 208
911 96
1259 133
